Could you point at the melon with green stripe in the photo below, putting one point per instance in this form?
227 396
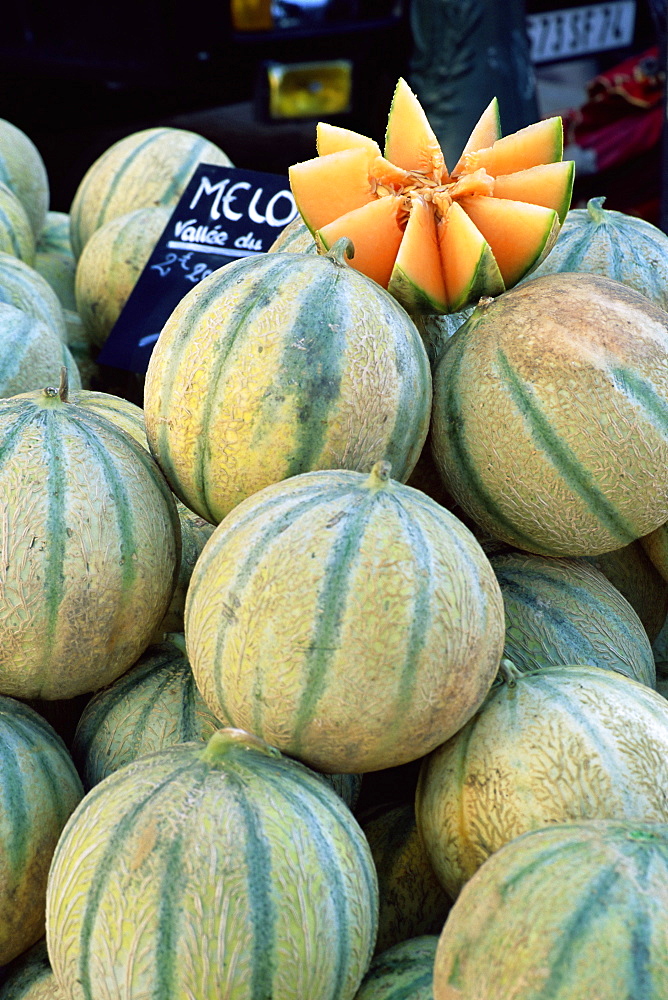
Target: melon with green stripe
23 286
412 901
23 170
558 745
279 364
635 576
195 531
346 618
153 705
403 972
561 611
39 789
16 235
550 415
296 237
148 167
31 353
110 265
30 976
91 543
570 912
54 258
597 240
212 870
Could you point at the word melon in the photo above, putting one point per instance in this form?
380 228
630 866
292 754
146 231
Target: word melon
91 543
550 415
279 364
212 870
39 789
437 239
346 618
558 745
570 912
149 167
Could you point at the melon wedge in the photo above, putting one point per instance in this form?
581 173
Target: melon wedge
542 142
485 132
375 233
548 184
438 241
334 139
417 278
327 187
409 140
468 265
519 234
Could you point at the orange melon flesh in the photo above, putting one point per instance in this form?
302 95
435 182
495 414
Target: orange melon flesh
542 142
376 235
328 187
468 265
334 139
417 280
410 141
548 184
518 233
485 132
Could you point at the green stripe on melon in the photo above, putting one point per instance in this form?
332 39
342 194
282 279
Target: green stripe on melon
228 851
403 972
16 235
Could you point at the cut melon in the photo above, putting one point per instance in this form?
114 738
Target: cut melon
519 234
512 194
334 138
468 264
410 141
376 236
417 278
485 132
542 142
547 184
329 186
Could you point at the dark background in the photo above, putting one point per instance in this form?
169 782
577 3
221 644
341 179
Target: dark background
77 76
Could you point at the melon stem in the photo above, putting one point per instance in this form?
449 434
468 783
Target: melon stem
340 250
63 388
223 741
379 477
595 209
509 672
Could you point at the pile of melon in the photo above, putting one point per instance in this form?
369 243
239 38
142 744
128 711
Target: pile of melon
336 670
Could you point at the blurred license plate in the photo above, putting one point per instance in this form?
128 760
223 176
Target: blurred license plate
579 31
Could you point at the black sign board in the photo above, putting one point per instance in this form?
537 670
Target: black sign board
223 214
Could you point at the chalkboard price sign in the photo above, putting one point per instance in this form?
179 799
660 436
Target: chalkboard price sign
223 214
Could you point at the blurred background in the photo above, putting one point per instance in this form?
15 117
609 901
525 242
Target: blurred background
255 75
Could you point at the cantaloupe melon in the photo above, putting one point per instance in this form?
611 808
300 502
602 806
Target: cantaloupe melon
397 208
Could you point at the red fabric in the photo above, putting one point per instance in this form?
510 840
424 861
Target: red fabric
623 114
